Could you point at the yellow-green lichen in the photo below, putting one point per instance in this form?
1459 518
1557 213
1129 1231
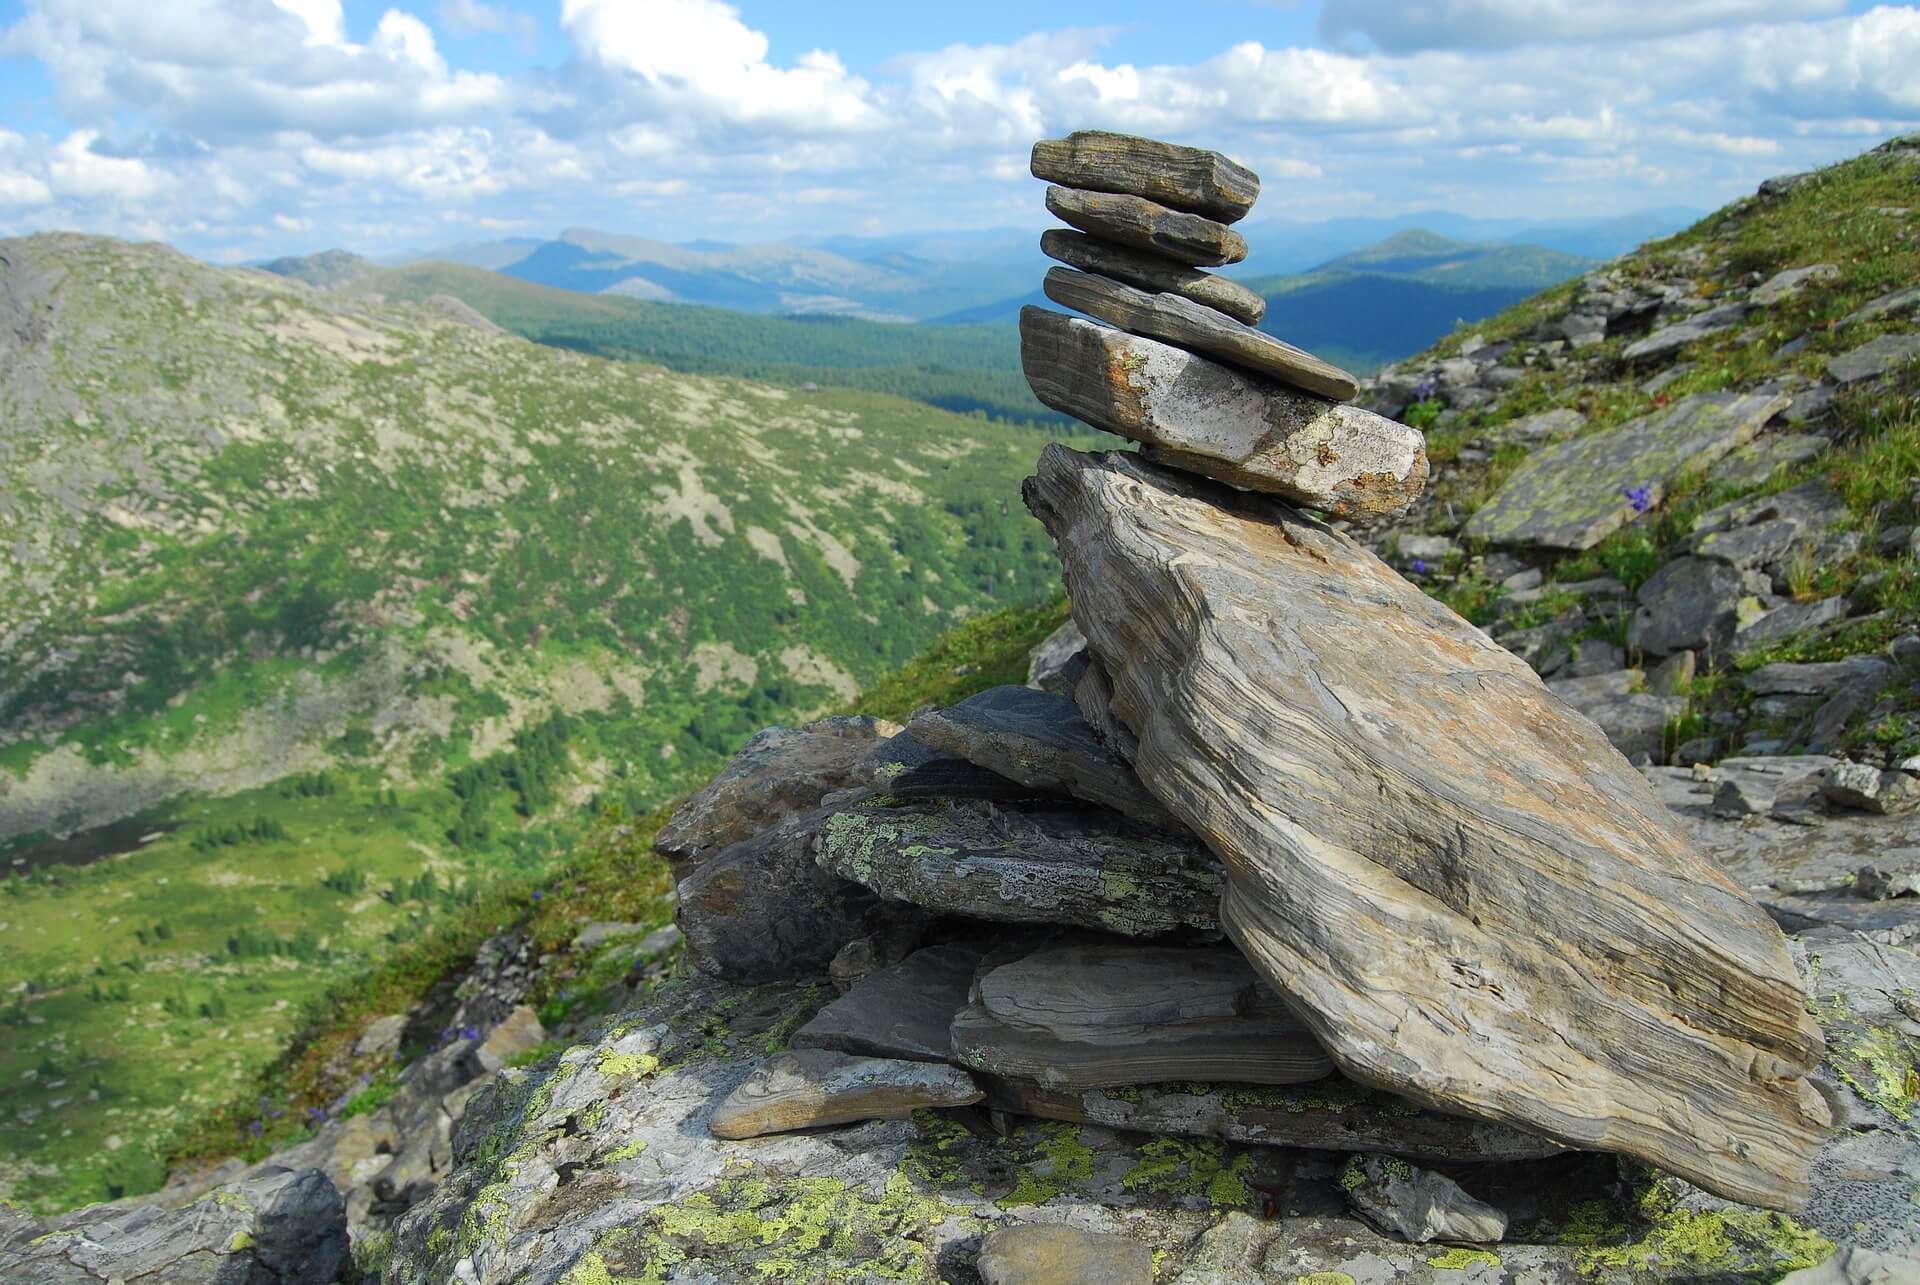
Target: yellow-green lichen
627 1152
1354 1176
1879 1066
1324 1278
239 1241
1458 1259
888 771
1737 1243
793 1017
1062 1159
932 1155
626 1066
592 1270
1177 1167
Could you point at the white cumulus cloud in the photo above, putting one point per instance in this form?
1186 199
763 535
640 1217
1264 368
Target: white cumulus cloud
1399 27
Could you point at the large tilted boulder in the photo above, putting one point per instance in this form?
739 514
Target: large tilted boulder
1466 893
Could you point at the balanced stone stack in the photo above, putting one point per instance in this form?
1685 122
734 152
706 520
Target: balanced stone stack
1304 860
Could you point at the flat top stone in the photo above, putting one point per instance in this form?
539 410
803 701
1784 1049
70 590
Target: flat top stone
1874 358
902 1011
1190 325
1181 178
1511 925
1234 425
1893 301
1145 225
808 1088
1151 272
1575 494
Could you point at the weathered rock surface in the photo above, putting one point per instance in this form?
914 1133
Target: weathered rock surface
1670 339
275 1227
1867 788
1189 325
1052 1254
904 767
1183 178
1050 666
764 909
1232 425
1076 867
1790 282
1419 1205
1695 604
1761 458
1088 1017
1146 225
1621 992
1151 272
1575 494
813 1087
1874 359
902 1011
781 771
1887 304
1859 1267
1040 741
1635 722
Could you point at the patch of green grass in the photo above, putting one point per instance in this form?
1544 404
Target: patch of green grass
988 651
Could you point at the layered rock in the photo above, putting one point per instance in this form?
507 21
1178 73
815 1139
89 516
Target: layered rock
1150 272
1510 925
1185 178
1146 225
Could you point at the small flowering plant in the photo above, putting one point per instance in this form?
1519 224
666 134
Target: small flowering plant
1426 407
1640 497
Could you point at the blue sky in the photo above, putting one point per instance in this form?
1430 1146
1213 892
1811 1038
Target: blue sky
240 128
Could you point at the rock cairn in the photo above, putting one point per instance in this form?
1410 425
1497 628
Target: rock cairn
1288 853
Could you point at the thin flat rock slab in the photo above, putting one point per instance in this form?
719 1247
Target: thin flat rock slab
902 1011
1231 425
1188 325
1151 272
1575 494
781 771
1141 224
1082 868
1088 1017
814 1087
1334 1114
904 767
1182 178
1041 741
1462 889
1053 1254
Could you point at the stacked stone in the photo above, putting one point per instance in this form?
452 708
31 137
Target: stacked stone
1184 372
1291 854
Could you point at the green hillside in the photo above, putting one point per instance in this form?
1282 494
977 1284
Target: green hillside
966 369
321 615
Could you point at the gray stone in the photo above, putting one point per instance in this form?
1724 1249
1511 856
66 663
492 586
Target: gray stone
902 1011
1040 741
1573 495
1907 297
1080 868
1432 550
1089 1017
1874 359
519 1032
1182 178
1266 663
1596 656
1051 1254
1784 285
1419 1205
1868 789
1635 721
1742 796
764 910
1667 377
1542 426
1151 272
1671 339
1189 325
811 1088
1141 224
1759 545
1760 459
1789 620
601 931
276 1227
1229 424
906 768
1049 666
1811 507
1810 405
782 770
1817 678
382 1036
1674 675
1856 1266
1695 604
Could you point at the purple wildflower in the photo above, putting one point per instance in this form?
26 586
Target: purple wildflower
256 1128
536 894
469 1032
1419 566
1425 389
1640 497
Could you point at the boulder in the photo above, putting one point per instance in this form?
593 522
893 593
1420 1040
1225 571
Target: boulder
1789 620
1418 1205
1574 494
1784 285
781 771
1543 426
1141 224
815 1087
1671 339
1866 788
1512 926
1186 324
1080 867
902 1011
275 1227
1760 459
1904 299
1874 359
1051 1254
1181 178
1050 666
764 910
1040 741
1634 721
1151 272
1228 424
1696 604
1088 1017
904 767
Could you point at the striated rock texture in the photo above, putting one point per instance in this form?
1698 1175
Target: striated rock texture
815 1087
1507 923
1231 425
1144 225
1188 325
1185 178
1151 272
